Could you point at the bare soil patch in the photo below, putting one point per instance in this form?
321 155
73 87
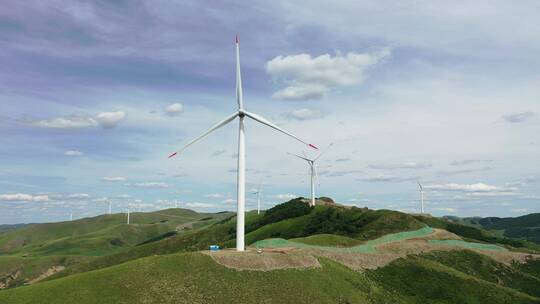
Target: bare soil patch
283 258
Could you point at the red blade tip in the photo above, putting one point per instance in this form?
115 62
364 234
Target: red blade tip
236 38
313 146
172 154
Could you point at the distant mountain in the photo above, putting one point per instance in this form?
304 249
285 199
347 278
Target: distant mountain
526 227
4 228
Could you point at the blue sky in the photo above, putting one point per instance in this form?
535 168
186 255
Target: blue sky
95 95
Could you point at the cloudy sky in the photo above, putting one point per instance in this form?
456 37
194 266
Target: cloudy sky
95 95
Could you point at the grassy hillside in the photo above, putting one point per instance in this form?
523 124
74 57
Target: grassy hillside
93 236
105 249
196 278
33 250
526 227
469 232
292 219
445 277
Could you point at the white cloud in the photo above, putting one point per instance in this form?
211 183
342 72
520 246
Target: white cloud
404 165
214 195
106 120
201 205
517 117
492 194
114 179
305 114
469 161
309 77
109 120
228 201
122 196
41 198
21 197
462 187
73 153
285 196
150 185
382 178
79 196
67 122
475 188
174 109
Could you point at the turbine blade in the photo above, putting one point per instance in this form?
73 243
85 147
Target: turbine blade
420 185
264 121
219 125
239 94
324 151
292 154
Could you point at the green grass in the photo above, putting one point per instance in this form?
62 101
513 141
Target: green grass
445 278
526 227
484 268
92 236
438 277
196 278
472 233
364 247
327 240
78 245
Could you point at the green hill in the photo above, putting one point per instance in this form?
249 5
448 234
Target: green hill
27 252
288 220
526 227
196 278
156 259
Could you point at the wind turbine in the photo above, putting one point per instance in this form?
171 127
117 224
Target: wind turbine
71 216
421 197
313 172
128 215
258 192
110 207
241 170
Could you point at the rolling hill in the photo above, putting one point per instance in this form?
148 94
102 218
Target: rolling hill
160 259
439 277
526 227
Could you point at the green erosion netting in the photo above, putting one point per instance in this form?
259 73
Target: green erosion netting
469 245
367 247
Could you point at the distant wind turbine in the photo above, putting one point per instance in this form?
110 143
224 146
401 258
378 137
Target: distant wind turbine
128 215
71 216
110 207
258 192
241 169
421 197
313 171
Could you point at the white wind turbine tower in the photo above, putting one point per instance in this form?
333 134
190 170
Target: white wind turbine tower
313 172
110 207
258 192
241 170
128 215
421 197
71 216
